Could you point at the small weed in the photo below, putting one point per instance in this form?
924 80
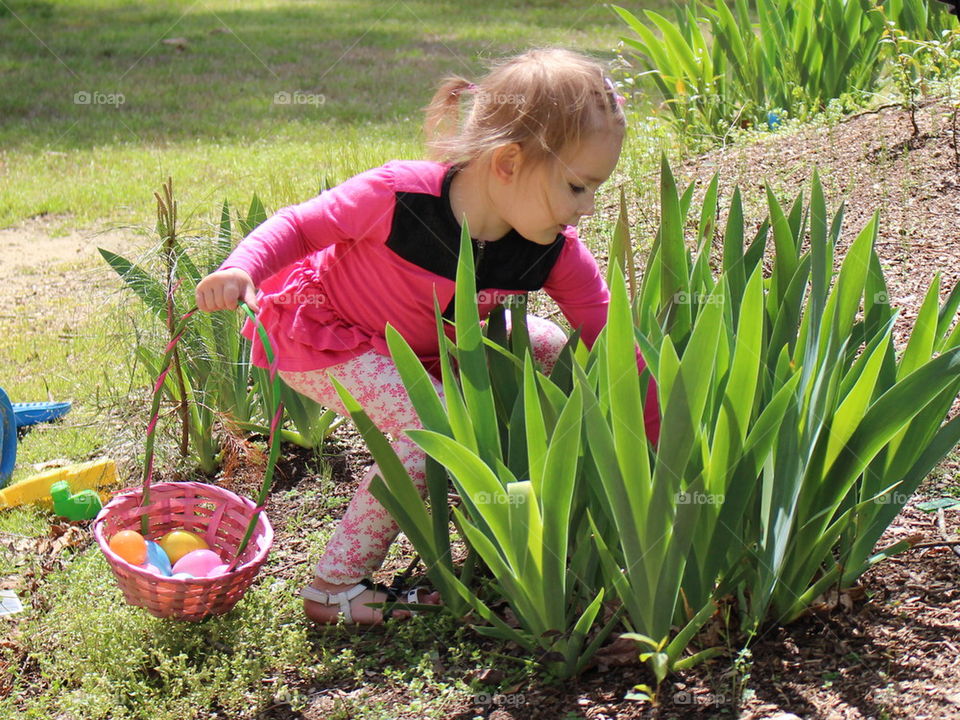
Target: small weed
740 673
829 678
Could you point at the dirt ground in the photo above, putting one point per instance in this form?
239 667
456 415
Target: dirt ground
889 649
871 163
31 256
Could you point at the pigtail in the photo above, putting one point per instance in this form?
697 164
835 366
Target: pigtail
544 100
443 113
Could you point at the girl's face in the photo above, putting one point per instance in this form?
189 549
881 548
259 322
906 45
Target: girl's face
546 198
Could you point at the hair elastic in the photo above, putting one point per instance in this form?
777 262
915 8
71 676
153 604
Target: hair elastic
619 99
468 88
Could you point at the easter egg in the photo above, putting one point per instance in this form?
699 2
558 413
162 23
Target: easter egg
152 569
182 576
178 543
129 545
158 558
218 570
197 562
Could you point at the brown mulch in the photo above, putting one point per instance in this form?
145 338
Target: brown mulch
890 650
870 163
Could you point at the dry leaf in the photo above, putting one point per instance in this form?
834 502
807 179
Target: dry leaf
832 600
487 676
618 653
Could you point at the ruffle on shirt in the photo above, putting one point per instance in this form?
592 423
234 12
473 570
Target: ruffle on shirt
306 329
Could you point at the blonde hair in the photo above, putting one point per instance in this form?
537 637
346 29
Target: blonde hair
544 100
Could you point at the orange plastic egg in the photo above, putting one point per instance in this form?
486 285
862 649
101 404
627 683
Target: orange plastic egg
130 545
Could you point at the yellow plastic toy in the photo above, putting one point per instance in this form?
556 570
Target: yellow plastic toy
83 476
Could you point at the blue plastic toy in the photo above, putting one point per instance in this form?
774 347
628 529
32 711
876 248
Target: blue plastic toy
18 415
8 439
32 413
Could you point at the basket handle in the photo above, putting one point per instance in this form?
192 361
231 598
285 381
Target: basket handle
274 441
179 329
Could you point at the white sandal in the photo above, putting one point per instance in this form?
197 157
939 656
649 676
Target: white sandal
344 597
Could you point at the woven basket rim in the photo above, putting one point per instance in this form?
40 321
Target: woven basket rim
262 546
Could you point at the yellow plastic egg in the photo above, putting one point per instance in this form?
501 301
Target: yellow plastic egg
178 543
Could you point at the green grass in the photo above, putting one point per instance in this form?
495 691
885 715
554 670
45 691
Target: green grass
206 114
94 656
48 355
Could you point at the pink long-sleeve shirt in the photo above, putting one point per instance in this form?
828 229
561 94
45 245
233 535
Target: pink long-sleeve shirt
333 271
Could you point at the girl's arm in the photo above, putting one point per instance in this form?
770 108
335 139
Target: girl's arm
577 286
351 211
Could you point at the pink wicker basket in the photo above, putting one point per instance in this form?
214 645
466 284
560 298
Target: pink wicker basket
218 515
235 528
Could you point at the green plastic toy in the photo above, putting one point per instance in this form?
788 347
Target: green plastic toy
84 505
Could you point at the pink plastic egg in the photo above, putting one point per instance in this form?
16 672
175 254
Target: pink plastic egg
198 563
218 570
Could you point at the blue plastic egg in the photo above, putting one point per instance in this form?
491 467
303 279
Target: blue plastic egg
158 558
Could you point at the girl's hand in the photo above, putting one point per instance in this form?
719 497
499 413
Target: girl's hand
222 290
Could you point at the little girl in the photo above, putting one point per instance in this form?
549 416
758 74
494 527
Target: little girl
541 132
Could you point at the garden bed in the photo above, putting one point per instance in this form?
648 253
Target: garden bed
890 650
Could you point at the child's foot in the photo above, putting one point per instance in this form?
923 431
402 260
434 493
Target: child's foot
325 602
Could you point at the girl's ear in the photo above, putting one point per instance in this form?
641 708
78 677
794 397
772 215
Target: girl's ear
505 163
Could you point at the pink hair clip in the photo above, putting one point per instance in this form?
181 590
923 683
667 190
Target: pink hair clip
469 87
619 99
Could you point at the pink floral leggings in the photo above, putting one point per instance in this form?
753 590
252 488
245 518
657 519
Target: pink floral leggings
360 542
